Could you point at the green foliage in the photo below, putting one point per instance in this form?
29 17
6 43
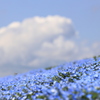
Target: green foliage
25 90
95 58
65 88
68 74
19 94
42 97
84 98
76 77
94 95
9 87
62 75
48 68
70 97
71 80
56 78
29 97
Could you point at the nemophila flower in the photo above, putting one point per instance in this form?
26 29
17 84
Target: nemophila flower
78 80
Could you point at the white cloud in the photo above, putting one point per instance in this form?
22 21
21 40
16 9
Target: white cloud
40 42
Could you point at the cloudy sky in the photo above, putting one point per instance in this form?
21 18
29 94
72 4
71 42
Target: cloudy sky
42 33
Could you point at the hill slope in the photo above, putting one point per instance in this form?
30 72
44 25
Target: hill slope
79 80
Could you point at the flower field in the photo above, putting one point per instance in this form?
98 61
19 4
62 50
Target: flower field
78 80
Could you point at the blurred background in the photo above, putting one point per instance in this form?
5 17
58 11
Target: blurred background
42 33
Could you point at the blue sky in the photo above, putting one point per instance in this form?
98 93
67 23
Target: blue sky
84 14
42 33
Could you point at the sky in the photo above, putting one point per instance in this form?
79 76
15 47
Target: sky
38 34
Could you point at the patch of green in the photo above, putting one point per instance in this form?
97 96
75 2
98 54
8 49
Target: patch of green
42 97
84 98
29 97
20 95
98 88
94 95
9 87
70 97
71 80
95 58
76 77
62 75
68 74
25 91
65 88
56 78
48 68
75 92
3 89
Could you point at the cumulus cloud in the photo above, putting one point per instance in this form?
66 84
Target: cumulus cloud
39 42
20 40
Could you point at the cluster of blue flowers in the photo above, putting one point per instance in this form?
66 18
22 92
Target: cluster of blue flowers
78 80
